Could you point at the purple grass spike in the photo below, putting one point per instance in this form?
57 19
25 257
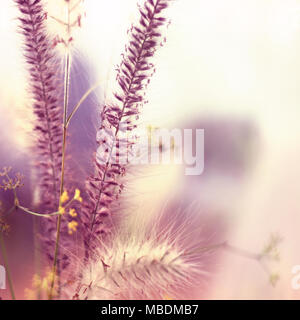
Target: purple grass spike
134 74
43 71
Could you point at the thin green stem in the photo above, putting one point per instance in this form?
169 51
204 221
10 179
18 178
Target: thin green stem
83 98
42 215
38 214
55 267
10 283
242 252
225 246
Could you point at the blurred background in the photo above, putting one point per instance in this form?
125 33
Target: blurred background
229 67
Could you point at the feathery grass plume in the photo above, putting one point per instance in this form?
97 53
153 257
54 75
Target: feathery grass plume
43 70
118 118
160 259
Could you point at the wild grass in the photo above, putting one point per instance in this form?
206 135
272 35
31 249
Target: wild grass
116 261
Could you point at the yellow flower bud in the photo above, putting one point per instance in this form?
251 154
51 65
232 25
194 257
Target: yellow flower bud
64 197
72 226
77 195
73 213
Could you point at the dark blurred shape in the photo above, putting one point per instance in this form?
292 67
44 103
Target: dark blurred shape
230 147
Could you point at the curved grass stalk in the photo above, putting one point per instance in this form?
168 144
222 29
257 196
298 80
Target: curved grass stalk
38 214
66 101
80 102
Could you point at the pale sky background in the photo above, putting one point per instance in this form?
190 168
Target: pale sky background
228 57
232 58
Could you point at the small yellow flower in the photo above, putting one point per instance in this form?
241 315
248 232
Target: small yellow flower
36 281
73 213
64 197
50 276
77 195
166 297
72 226
61 210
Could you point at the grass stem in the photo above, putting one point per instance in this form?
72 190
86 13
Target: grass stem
4 255
55 268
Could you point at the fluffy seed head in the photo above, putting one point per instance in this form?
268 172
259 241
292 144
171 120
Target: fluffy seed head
152 262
